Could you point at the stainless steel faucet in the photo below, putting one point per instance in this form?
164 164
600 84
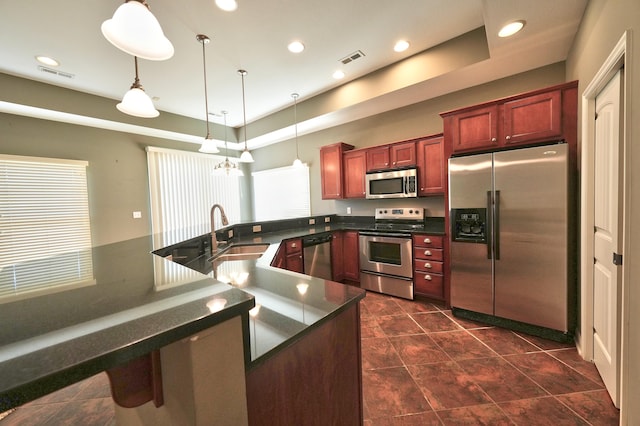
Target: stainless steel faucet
225 222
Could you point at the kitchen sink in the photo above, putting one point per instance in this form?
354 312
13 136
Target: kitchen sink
240 252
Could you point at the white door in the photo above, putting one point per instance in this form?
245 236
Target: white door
607 276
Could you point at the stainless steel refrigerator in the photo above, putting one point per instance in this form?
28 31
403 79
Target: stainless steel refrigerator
509 235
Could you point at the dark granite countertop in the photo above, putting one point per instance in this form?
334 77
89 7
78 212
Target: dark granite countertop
139 302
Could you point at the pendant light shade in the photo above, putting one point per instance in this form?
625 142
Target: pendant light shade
246 156
134 29
227 167
136 102
209 145
297 162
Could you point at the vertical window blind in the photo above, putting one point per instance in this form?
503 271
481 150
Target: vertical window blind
281 193
45 232
183 188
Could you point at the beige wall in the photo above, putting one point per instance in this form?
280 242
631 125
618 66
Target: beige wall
413 121
604 23
117 171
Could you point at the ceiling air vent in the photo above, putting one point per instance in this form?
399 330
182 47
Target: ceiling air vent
352 57
56 72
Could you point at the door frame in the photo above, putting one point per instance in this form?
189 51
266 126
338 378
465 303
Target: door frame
619 57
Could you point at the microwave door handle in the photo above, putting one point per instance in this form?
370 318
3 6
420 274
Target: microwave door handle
405 180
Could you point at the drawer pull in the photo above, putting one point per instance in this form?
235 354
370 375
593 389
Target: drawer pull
427 277
427 265
427 240
427 252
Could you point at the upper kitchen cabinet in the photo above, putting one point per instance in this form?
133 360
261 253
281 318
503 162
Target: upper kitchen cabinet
355 169
431 166
331 170
524 119
391 156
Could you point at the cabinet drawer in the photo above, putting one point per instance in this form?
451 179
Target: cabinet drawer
427 253
429 284
293 246
429 266
420 240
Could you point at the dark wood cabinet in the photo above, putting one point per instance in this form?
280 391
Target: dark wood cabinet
337 256
534 118
403 154
428 264
473 130
391 156
355 169
280 259
525 119
351 256
331 174
431 166
294 261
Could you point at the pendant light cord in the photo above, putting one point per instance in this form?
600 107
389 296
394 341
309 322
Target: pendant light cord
244 108
295 119
204 40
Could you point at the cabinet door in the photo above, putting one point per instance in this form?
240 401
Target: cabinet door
355 168
280 259
294 261
331 171
337 256
431 166
378 158
474 130
403 154
532 119
351 256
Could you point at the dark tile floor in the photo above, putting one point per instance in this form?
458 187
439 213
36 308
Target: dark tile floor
421 366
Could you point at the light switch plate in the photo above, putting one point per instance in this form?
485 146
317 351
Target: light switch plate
137 215
312 221
257 228
327 219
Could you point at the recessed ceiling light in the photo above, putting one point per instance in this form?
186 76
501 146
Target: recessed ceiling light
401 46
47 61
295 47
227 5
511 28
338 74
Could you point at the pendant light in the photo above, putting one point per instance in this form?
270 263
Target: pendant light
208 145
134 29
246 156
227 167
136 102
296 162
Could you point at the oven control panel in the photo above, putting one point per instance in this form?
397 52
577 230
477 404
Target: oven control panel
402 213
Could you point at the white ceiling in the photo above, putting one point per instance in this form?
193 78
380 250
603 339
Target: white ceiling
255 38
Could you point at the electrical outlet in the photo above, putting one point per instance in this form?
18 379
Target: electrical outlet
230 234
327 219
257 228
137 215
312 221
348 210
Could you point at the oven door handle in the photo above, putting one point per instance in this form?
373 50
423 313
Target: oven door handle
385 234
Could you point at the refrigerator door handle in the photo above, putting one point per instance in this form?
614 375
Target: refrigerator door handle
489 221
497 224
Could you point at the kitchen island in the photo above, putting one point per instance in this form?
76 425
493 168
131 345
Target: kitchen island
140 304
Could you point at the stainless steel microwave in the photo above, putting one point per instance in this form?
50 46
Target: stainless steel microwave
392 184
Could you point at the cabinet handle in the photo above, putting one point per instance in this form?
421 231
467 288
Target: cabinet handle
427 277
493 139
427 240
427 252
508 137
427 265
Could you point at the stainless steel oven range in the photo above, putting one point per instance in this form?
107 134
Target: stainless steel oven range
386 258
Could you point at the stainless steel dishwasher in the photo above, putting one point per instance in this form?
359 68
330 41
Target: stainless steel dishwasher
317 255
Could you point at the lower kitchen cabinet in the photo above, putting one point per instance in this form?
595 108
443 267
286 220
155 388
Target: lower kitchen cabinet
293 255
351 256
428 264
289 256
345 261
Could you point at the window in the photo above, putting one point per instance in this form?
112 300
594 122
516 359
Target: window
281 193
183 189
45 233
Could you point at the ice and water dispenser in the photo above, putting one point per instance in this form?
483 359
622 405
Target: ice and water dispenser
469 225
